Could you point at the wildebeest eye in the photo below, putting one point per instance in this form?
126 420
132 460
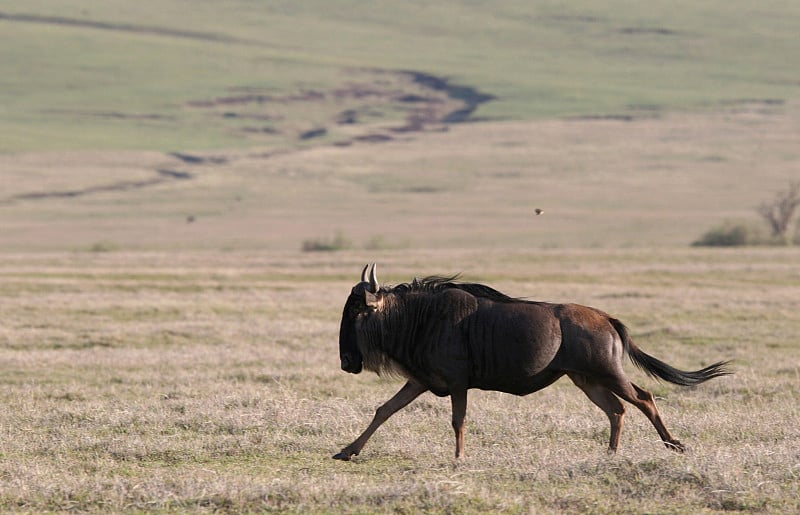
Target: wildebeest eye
354 311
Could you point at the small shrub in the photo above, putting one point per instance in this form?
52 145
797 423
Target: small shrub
733 234
103 246
339 242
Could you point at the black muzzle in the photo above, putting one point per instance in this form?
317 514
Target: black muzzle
351 365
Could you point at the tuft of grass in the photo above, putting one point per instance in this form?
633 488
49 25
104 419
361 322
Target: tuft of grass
104 246
338 242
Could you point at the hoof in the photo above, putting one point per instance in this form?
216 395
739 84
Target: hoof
676 446
342 456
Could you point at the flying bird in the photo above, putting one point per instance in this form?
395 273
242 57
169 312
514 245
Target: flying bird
538 211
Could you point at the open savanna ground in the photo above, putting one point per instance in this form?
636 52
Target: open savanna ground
209 381
658 181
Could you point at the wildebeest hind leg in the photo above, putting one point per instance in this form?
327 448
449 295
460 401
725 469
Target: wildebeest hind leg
410 391
643 400
606 401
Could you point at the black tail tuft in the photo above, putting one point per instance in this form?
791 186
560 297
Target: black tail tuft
654 367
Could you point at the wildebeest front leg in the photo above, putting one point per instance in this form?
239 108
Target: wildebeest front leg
458 399
410 391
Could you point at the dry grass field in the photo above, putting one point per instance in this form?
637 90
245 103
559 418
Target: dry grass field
208 381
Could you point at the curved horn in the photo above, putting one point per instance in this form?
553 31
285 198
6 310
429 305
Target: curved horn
373 280
364 273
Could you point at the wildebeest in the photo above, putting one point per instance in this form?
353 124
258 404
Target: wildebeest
447 337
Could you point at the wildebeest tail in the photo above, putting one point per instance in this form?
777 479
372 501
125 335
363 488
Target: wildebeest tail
654 367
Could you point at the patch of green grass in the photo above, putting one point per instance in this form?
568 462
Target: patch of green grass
338 242
103 246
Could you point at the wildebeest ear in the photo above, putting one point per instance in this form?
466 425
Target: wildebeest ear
371 300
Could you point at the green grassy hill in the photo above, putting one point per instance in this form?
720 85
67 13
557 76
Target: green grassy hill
121 75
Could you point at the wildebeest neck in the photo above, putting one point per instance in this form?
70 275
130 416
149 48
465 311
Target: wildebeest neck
416 332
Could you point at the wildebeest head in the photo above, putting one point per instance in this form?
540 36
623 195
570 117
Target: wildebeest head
361 303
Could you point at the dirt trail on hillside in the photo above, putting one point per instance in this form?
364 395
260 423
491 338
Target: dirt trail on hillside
163 176
428 102
123 27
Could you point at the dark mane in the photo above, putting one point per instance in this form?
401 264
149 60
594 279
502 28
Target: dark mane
437 284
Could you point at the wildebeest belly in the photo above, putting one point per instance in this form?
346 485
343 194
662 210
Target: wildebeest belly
518 385
512 346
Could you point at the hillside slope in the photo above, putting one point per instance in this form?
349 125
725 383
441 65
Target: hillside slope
121 75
